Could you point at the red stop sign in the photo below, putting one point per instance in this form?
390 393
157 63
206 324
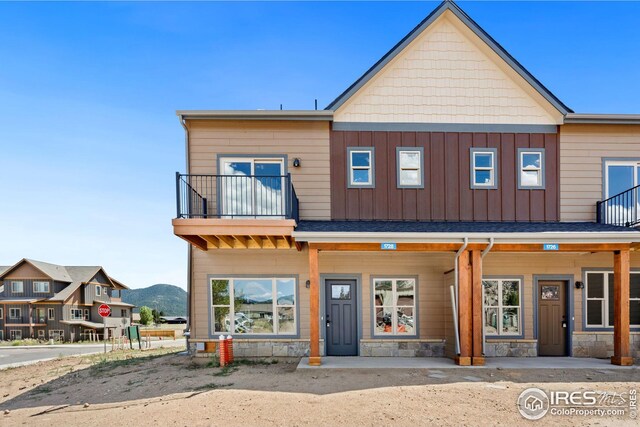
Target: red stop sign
104 310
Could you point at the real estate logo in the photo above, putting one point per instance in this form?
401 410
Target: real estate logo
533 403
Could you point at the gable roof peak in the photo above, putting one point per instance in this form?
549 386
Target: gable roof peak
449 5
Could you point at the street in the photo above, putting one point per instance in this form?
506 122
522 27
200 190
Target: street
24 355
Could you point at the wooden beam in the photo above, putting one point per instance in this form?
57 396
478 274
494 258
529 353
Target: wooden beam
257 239
287 240
273 241
621 349
464 310
196 241
227 240
477 359
406 247
241 240
314 309
562 247
213 240
299 245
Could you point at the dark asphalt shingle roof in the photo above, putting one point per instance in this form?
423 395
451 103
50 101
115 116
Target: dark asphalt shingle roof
456 227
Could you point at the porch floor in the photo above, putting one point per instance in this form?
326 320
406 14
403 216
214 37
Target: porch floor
333 362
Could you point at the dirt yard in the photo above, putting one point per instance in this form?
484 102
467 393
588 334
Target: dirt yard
162 388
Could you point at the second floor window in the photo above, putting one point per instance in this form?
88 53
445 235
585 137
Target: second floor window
76 314
15 313
86 314
361 167
98 290
40 287
530 168
410 167
484 173
51 314
17 287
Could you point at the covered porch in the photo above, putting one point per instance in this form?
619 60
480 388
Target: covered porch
468 244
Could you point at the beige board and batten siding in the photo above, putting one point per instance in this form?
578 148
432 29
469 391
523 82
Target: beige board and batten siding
306 140
582 150
448 75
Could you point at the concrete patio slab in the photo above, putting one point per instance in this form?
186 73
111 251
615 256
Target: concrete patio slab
332 362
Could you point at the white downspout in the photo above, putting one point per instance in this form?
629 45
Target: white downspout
454 294
484 253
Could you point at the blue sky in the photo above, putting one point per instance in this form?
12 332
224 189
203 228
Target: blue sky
88 93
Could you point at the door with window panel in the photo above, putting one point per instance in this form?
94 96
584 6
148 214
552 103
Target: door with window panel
621 176
252 188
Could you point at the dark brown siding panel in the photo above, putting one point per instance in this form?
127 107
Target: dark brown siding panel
522 196
447 195
452 177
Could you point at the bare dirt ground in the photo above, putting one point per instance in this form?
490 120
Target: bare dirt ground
162 388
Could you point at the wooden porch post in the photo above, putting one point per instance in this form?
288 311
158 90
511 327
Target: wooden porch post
621 353
314 309
465 320
30 320
476 285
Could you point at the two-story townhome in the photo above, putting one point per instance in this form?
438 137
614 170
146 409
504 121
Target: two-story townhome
47 301
446 203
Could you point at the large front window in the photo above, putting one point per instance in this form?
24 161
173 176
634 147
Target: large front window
252 187
258 306
394 306
599 304
502 306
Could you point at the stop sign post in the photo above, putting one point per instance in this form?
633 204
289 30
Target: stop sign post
104 311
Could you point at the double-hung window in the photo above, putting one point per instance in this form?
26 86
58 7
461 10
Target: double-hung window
484 171
15 313
17 287
530 168
51 314
502 306
98 290
360 168
599 299
394 306
254 306
41 287
76 314
410 167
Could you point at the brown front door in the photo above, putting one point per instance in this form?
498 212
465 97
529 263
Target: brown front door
552 318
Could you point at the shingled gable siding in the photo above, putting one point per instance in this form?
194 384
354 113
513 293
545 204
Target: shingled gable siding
447 195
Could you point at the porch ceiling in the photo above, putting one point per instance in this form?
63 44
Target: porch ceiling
213 233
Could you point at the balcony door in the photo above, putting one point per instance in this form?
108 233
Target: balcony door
620 176
252 188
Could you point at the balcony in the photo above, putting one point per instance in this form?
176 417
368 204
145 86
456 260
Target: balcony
622 209
236 211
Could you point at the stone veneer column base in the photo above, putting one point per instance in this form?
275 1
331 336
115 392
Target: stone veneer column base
243 348
511 348
599 344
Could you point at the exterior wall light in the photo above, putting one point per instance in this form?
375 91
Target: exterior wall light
579 285
296 162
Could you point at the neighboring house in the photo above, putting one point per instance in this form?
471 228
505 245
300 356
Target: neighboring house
446 203
47 301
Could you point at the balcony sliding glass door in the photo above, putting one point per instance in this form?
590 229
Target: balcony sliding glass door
620 176
252 188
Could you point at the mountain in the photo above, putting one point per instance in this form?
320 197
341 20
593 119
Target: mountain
169 299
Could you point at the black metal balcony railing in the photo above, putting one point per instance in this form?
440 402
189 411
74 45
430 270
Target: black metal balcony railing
235 196
621 209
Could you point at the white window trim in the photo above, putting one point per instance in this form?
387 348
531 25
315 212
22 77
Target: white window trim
275 305
501 307
40 282
13 282
72 313
541 169
54 332
98 290
15 310
634 162
13 333
419 169
51 313
605 300
1 313
371 183
394 307
493 168
41 333
86 314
